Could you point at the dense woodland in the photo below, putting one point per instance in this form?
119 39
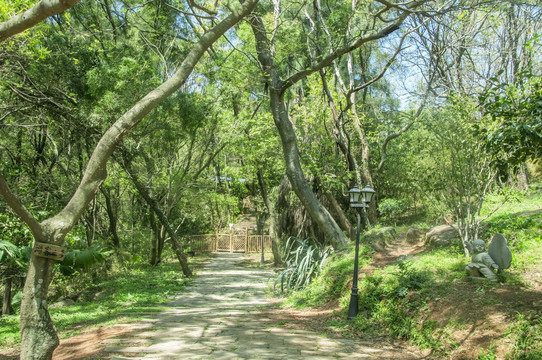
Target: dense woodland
126 126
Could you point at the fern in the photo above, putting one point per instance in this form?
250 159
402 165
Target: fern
82 259
13 254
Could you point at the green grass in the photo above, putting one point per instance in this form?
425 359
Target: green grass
332 281
526 337
123 297
395 301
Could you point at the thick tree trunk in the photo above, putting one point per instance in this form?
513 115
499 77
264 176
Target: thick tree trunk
38 335
294 171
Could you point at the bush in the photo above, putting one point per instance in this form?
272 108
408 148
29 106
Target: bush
391 209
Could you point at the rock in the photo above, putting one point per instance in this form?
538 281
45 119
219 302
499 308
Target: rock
413 235
378 238
62 303
443 235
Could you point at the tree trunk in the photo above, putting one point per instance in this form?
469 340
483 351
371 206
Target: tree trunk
113 219
275 241
294 171
6 298
38 335
155 259
339 211
181 256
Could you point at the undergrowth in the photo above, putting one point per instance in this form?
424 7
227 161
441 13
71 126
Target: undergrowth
124 296
332 282
396 300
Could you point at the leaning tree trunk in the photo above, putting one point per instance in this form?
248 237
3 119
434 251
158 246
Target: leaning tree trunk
294 171
277 88
38 336
176 244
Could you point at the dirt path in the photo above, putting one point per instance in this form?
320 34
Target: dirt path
219 317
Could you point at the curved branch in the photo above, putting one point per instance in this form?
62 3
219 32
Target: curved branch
187 13
95 172
15 204
199 7
328 60
385 144
41 11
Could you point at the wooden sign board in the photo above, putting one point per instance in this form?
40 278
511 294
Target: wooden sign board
49 251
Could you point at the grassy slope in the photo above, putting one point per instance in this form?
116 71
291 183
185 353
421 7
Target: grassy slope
431 303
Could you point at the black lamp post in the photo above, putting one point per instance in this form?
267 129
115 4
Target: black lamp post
359 199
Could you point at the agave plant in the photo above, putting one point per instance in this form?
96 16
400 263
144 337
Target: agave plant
303 259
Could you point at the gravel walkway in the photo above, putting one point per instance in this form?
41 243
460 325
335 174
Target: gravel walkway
216 317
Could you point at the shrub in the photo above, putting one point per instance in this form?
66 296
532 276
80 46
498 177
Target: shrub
391 209
304 260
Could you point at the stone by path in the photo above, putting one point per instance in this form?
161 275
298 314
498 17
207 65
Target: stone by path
216 317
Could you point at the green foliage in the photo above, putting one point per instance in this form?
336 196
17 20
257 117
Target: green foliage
82 259
304 260
124 296
13 254
515 133
13 230
526 336
333 281
391 208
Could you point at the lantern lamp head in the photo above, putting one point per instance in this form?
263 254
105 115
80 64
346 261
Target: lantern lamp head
367 194
355 197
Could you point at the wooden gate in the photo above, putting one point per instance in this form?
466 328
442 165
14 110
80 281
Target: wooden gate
237 240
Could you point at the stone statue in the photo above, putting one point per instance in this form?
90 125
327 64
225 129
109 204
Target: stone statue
484 263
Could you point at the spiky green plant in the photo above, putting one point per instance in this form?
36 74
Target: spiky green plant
303 259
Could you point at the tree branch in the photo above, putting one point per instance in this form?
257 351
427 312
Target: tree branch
95 172
15 204
328 60
42 10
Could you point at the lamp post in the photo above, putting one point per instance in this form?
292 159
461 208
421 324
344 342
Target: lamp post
359 199
260 226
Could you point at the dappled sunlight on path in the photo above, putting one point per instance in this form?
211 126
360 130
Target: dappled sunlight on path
218 317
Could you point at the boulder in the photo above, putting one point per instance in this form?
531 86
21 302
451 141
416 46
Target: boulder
443 235
62 303
378 238
413 235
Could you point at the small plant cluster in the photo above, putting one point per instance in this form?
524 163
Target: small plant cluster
385 300
526 335
304 260
392 209
333 282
